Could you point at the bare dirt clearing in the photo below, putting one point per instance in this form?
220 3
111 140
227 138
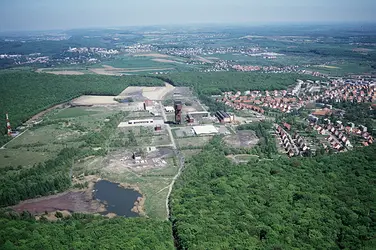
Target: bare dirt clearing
327 66
64 72
151 93
157 55
244 138
202 59
88 100
165 60
109 70
362 50
122 161
73 201
41 114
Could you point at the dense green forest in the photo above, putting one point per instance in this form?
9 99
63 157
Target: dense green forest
24 94
85 232
327 202
215 83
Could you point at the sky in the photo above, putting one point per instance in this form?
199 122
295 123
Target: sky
24 15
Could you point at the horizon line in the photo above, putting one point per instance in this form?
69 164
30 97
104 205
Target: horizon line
199 24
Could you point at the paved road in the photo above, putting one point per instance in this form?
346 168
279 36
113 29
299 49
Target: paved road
178 155
167 125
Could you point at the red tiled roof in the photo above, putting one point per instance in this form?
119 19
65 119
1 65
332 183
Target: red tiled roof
288 126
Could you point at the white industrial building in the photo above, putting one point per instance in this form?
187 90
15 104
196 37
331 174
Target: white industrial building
143 122
169 109
205 130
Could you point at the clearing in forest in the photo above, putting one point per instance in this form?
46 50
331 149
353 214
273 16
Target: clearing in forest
151 93
244 138
87 100
109 70
156 55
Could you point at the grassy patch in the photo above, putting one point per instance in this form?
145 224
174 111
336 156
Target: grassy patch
194 141
72 112
12 157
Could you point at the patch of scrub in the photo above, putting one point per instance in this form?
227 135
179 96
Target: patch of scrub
73 112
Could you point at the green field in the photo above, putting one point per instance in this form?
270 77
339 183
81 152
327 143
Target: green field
72 113
21 157
344 68
60 128
192 142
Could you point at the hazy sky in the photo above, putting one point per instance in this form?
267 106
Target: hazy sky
64 14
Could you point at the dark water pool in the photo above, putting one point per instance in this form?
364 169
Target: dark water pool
119 200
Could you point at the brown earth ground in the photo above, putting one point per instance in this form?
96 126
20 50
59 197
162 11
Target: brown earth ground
164 60
151 93
41 114
205 60
74 201
109 70
362 50
51 216
244 138
78 201
93 100
65 72
157 55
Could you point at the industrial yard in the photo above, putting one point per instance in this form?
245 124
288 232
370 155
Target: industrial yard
145 140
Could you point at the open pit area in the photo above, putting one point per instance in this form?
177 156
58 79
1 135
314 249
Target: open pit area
150 93
112 71
72 201
56 71
151 159
88 100
242 139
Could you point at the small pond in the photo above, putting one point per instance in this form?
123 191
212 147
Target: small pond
118 200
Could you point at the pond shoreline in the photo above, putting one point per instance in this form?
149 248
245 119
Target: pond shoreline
76 201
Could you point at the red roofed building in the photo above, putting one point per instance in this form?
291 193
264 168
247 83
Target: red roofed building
288 126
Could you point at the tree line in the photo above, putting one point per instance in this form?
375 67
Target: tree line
326 202
82 231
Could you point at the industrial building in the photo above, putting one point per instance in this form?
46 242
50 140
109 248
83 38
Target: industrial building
200 113
224 117
148 105
205 130
190 118
158 128
143 122
178 110
169 109
137 156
